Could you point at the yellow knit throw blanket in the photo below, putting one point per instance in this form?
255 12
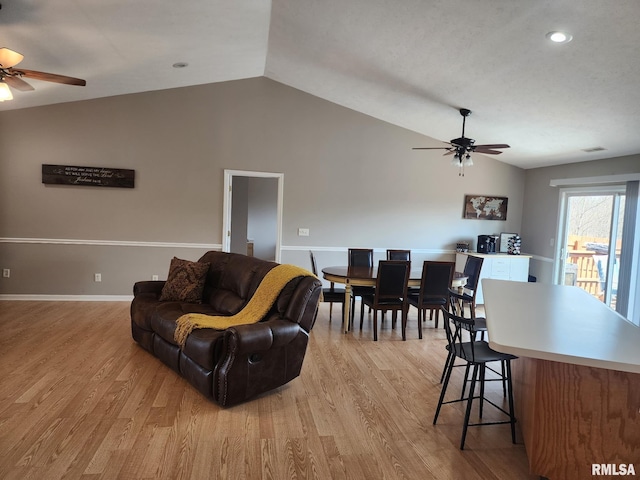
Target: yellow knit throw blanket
257 307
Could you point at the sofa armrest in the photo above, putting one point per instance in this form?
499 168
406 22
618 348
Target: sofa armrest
149 286
259 337
300 305
258 358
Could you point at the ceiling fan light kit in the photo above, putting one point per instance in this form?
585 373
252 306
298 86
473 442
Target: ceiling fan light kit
9 58
12 77
5 92
462 147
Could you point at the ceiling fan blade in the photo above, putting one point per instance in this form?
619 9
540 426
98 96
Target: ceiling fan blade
430 148
17 83
450 152
487 150
493 145
9 58
51 77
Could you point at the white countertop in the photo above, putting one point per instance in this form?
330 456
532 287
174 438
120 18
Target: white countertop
496 254
559 323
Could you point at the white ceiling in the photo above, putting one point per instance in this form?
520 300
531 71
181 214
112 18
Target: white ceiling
412 63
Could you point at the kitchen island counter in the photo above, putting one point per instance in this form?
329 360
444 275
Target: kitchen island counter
577 378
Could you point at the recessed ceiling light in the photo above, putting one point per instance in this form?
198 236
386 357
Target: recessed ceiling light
559 37
180 65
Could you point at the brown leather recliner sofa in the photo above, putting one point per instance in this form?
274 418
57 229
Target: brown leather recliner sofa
233 365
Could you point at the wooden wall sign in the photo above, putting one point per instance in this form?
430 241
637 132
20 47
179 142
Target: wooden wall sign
88 176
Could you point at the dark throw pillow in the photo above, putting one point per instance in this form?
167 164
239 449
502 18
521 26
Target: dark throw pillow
185 282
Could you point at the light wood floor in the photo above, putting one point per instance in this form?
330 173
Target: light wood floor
79 399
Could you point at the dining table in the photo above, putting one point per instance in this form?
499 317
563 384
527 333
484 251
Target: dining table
366 276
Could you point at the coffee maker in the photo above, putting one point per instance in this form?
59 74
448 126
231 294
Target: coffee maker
487 243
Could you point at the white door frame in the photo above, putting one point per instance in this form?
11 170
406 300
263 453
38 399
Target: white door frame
227 206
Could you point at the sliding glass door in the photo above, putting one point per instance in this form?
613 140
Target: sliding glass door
590 240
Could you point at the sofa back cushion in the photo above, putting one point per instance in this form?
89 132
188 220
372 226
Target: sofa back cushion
232 280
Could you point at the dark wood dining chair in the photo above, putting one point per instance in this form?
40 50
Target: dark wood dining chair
390 293
399 255
331 294
475 354
393 254
360 257
434 290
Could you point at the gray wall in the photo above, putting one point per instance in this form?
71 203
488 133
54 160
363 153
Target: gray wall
351 179
540 214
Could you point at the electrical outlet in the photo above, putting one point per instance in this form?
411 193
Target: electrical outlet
303 232
154 277
97 277
6 273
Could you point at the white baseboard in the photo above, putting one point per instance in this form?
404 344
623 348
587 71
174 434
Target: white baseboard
65 298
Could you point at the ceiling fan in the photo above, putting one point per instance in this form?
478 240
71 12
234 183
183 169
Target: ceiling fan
13 76
462 147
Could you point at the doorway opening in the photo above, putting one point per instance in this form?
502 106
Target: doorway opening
252 213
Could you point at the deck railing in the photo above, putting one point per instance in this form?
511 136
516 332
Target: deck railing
585 273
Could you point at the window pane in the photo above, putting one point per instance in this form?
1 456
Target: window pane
589 225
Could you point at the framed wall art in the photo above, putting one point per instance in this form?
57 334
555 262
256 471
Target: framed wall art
485 207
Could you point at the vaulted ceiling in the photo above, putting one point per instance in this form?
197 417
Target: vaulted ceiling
412 63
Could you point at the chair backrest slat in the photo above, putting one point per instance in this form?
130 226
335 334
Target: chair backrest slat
455 326
314 266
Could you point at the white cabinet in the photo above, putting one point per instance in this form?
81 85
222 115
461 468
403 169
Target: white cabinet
498 266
